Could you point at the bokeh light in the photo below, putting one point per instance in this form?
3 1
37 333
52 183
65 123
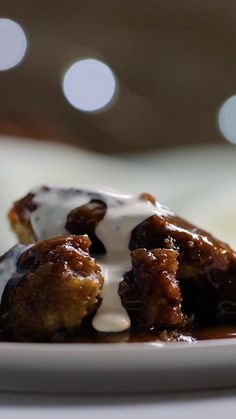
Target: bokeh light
89 85
227 119
13 44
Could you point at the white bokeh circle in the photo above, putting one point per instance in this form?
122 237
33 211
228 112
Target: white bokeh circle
13 44
227 119
89 85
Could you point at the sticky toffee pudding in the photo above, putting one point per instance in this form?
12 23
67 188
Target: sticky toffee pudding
95 266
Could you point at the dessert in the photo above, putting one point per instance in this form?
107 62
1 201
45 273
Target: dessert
150 271
52 287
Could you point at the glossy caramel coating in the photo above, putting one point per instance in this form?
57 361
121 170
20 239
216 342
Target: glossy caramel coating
83 220
207 267
56 286
151 292
206 272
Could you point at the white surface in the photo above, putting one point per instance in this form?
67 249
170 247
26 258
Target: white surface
218 404
117 368
193 181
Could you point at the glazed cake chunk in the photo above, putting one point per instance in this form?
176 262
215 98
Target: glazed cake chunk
50 287
150 291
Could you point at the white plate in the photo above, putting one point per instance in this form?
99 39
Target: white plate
182 178
117 368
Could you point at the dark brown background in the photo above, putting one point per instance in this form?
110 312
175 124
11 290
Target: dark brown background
175 62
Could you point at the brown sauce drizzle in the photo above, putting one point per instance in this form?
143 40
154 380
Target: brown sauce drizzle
134 336
137 336
219 332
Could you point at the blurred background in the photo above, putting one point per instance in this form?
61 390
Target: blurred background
136 95
169 67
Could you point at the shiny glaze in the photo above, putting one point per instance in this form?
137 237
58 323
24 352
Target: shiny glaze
123 214
135 336
217 332
206 265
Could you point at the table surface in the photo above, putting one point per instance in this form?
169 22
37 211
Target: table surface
180 406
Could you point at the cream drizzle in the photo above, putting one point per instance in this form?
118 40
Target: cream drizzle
8 265
114 231
123 214
55 203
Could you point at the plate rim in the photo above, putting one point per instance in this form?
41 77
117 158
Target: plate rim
123 346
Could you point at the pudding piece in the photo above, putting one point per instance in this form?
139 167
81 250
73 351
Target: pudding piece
84 220
54 286
177 272
206 271
151 292
19 217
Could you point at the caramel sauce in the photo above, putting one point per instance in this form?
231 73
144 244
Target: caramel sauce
151 337
219 332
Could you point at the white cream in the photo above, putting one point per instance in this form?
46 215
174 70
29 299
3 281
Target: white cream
114 231
55 203
8 265
123 214
53 206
